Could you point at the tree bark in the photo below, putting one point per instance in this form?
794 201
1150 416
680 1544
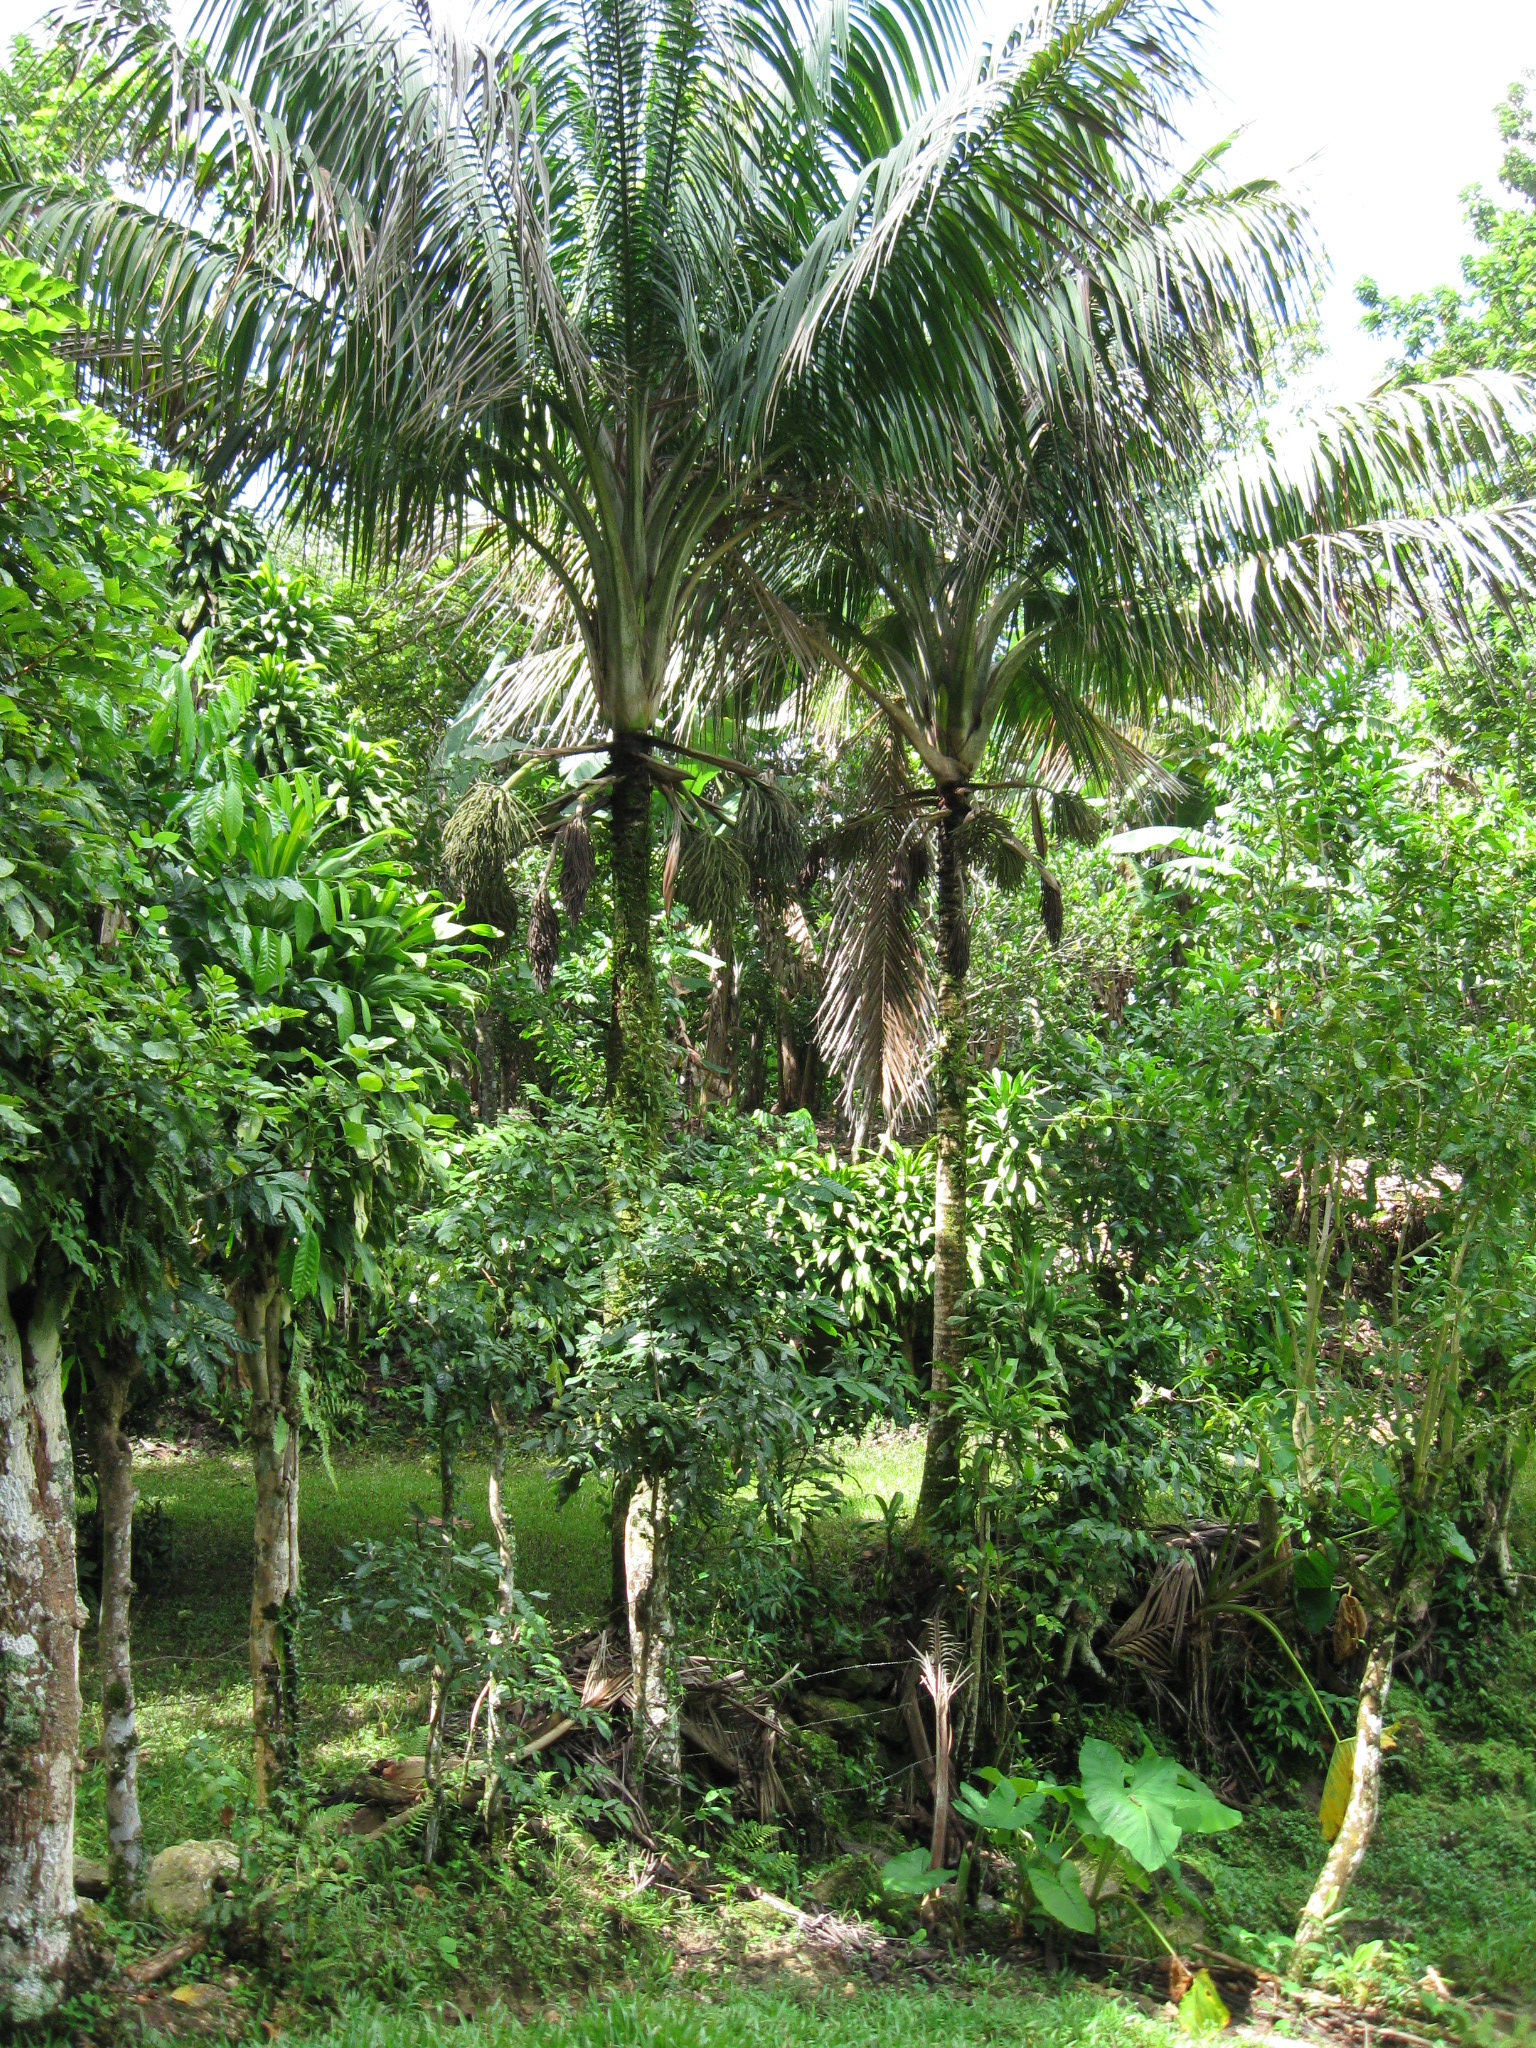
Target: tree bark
951 1276
618 1579
720 1034
40 1622
106 1401
1354 1836
275 1579
636 1081
658 1744
506 1536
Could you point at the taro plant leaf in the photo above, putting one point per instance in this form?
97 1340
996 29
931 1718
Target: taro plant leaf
1059 1892
1316 1594
1146 1806
910 1875
1004 1811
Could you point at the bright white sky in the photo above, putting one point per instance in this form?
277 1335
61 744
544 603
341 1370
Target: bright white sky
1376 112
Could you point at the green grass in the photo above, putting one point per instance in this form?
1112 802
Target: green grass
190 1623
852 2015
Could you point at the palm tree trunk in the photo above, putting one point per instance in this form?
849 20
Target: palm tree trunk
113 1454
636 1083
40 1622
941 1463
275 1578
657 1765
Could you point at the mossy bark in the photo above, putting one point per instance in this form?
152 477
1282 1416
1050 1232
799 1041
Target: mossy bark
636 1074
106 1403
40 1622
952 1081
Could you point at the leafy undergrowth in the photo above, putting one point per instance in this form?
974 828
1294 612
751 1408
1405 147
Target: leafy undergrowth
556 1913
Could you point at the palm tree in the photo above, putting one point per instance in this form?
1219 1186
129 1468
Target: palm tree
591 283
1012 631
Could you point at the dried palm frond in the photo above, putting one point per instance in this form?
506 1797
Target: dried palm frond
483 838
943 1684
877 1005
543 939
1153 1636
578 870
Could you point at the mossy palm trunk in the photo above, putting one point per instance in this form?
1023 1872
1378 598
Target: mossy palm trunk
40 1622
952 1078
107 1402
260 1309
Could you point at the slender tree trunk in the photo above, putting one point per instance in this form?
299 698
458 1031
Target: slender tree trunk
636 1080
658 1742
506 1536
1354 1836
40 1622
113 1454
941 1463
275 1579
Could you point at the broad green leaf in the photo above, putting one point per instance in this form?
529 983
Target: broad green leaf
346 1022
306 1266
234 814
1133 1805
1002 1812
1059 1892
909 1875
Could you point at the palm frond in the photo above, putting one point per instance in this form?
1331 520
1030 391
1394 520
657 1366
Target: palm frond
875 1022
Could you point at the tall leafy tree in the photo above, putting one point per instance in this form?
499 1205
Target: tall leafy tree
101 1069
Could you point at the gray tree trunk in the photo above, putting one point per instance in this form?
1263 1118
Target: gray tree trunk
113 1455
658 1739
40 1622
506 1536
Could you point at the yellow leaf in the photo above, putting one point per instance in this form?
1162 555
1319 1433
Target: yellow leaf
195 1994
1341 1782
1200 2009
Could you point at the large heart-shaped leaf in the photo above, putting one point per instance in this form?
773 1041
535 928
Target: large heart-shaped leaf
1059 1892
1003 1811
1132 1804
910 1875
